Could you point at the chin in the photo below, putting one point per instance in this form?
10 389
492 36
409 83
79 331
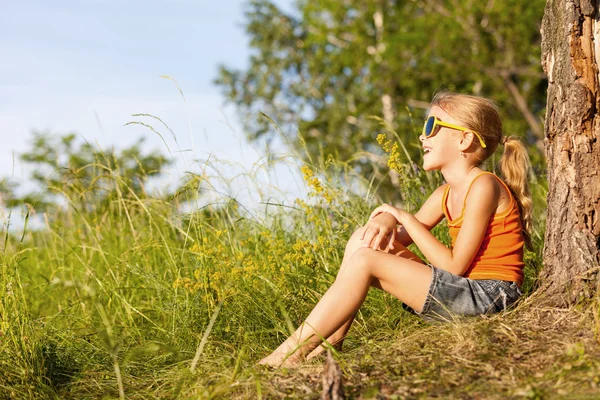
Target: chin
427 167
430 167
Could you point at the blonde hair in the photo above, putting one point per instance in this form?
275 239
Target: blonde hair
482 116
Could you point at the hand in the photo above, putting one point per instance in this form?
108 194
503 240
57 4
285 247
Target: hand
377 229
397 213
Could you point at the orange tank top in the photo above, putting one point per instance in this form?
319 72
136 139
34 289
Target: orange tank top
500 255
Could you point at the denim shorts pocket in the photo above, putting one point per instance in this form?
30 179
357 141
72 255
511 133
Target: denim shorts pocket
507 294
512 291
489 286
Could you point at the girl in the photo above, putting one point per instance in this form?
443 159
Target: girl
488 219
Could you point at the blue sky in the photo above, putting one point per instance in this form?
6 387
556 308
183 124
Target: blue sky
87 66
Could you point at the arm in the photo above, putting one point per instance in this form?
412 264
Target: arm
430 214
380 226
481 203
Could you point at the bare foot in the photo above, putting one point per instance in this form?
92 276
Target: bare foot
280 359
319 350
291 352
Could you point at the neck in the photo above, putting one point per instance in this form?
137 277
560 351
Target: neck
458 175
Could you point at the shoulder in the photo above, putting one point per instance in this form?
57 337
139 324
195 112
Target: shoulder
439 192
434 201
485 190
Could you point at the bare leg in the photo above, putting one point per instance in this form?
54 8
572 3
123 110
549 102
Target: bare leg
408 280
354 243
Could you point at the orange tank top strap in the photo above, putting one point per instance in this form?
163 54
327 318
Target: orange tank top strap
471 184
510 196
447 192
444 199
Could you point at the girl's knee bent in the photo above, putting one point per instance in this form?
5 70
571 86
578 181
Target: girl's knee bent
355 241
362 258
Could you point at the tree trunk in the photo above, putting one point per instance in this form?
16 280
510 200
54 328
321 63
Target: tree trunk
570 53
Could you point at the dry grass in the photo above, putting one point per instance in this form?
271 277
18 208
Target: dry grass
529 352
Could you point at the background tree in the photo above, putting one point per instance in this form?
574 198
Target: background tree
326 68
7 192
572 240
62 166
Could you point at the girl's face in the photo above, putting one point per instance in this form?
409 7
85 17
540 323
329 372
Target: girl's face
442 148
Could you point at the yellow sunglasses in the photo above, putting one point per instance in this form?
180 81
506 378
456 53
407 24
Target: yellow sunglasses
432 122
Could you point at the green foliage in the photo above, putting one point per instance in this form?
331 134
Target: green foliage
65 168
323 70
7 191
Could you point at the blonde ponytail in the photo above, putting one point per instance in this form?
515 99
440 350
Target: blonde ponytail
514 167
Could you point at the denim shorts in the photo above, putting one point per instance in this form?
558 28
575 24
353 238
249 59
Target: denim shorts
452 295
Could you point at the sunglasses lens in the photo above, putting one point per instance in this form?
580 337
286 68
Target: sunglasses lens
429 126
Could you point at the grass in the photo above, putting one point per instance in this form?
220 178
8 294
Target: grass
529 353
126 296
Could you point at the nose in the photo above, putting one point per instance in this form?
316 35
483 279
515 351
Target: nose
421 138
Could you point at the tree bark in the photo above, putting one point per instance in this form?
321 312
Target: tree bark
570 53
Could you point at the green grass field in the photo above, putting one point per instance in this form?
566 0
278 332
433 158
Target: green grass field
127 296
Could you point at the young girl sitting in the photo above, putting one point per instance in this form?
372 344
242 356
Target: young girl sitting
488 219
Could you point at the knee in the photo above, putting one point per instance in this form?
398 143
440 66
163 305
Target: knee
362 259
355 241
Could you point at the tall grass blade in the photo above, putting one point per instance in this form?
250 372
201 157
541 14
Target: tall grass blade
205 336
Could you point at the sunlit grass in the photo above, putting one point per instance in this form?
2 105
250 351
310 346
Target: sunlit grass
140 296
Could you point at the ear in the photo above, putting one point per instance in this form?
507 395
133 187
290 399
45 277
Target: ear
466 140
